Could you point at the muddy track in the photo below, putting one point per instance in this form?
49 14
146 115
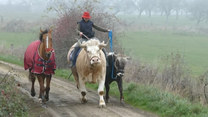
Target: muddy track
65 99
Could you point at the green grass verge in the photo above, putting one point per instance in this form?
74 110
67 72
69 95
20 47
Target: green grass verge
163 103
11 59
154 100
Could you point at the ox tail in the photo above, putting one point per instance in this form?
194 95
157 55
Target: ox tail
68 56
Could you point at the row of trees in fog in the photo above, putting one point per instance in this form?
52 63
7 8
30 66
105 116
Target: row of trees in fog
195 9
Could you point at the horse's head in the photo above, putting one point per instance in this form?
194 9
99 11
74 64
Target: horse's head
46 40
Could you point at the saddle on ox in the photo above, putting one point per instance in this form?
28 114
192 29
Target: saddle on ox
75 50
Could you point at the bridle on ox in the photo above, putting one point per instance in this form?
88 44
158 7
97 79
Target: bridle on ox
119 72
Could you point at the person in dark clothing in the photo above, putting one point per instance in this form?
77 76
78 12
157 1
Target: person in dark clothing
85 31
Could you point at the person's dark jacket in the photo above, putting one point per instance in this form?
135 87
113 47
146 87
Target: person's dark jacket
86 28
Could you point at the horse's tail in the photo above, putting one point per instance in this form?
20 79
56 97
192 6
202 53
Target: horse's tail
31 76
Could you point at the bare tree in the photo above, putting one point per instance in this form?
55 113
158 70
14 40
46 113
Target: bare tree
166 6
198 10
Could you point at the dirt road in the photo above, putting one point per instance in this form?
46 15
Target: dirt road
65 99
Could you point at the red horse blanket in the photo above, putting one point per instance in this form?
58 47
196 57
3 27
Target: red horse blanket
37 64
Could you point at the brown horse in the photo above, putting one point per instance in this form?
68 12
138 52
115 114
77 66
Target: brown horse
40 60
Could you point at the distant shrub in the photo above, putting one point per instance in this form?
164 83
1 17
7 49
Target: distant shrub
16 26
64 32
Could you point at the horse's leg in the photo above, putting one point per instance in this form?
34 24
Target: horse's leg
32 79
41 79
83 90
48 81
101 92
120 87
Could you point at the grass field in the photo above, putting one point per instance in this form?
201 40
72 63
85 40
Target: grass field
17 39
151 46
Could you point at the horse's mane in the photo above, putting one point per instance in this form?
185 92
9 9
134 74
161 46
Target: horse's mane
42 33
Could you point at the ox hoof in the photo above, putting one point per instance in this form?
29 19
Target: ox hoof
102 104
107 100
32 94
83 100
122 102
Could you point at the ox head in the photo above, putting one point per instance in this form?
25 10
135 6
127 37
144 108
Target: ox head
119 63
93 49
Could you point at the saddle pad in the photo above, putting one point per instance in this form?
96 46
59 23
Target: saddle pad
74 59
37 64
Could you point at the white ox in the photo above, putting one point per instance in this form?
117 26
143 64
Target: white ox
90 67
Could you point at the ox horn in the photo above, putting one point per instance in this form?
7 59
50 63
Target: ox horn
102 45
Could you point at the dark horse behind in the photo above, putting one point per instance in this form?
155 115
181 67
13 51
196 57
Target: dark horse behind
39 58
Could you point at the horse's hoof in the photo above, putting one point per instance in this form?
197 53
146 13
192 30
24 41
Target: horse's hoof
40 100
44 106
46 98
33 94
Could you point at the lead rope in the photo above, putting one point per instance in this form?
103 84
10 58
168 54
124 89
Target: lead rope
110 35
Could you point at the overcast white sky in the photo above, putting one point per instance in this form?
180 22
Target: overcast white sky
12 1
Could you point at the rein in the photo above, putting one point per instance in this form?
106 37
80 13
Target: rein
86 36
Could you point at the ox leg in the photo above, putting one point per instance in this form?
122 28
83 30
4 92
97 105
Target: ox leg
83 91
32 78
107 87
41 79
101 93
48 81
120 87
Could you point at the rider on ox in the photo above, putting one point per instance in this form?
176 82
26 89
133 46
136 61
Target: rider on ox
84 29
91 68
